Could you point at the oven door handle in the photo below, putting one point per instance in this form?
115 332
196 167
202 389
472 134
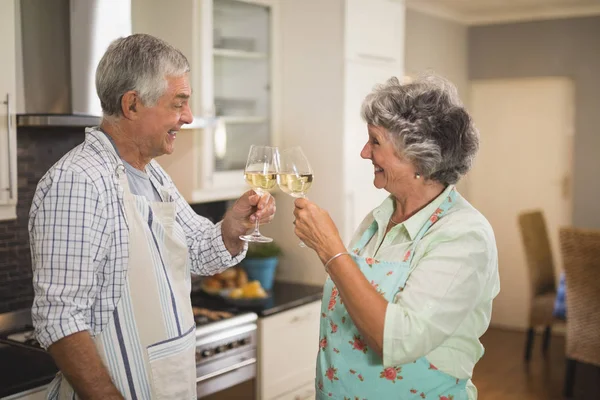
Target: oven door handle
223 371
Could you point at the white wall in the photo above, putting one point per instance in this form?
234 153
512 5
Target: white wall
437 44
312 72
440 46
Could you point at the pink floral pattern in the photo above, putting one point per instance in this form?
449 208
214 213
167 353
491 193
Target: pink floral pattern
359 344
370 261
331 374
334 326
391 374
323 343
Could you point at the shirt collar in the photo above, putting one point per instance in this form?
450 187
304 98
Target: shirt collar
414 224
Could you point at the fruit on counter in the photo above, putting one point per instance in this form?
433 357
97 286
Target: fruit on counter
251 290
231 278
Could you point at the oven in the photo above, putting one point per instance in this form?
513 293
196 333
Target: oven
226 352
226 356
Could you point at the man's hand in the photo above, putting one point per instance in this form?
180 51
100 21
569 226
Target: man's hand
249 208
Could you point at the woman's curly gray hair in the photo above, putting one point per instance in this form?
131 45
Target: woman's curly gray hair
428 125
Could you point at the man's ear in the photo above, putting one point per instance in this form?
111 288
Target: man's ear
129 104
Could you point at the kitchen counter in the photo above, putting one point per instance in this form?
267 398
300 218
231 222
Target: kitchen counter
23 368
284 296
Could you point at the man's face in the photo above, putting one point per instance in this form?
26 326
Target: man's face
157 126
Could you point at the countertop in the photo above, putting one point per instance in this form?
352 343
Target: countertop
284 296
23 368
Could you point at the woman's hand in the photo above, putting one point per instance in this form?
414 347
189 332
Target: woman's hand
316 229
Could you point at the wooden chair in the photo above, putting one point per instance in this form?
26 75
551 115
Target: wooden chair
542 281
581 255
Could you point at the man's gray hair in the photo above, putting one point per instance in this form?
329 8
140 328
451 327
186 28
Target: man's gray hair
137 62
428 125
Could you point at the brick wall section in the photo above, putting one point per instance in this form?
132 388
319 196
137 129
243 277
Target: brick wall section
38 149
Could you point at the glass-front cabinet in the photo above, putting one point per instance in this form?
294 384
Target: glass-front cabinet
230 46
8 132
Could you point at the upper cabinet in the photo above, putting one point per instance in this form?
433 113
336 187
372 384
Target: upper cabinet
8 138
375 31
229 44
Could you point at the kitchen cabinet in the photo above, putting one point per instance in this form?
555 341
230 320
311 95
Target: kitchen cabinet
381 44
230 45
326 80
288 345
8 132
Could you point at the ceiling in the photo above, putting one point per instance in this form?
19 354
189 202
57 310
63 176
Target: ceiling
481 12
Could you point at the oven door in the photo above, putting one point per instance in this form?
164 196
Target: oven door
232 377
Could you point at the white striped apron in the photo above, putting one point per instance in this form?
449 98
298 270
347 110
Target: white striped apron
149 345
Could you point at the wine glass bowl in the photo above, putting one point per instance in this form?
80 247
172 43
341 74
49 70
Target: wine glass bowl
261 174
295 175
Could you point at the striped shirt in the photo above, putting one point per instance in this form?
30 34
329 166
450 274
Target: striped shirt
79 239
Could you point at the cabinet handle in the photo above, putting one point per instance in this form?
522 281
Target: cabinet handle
376 57
225 370
11 187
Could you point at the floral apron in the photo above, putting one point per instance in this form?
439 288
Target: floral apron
347 368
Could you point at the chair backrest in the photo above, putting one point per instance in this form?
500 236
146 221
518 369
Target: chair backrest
581 255
538 253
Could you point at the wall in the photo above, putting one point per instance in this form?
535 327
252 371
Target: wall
441 46
567 47
312 71
38 150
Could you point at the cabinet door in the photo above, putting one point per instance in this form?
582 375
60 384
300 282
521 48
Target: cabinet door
304 392
8 139
241 82
288 349
361 195
375 31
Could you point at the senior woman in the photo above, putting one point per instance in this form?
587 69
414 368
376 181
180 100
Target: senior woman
404 308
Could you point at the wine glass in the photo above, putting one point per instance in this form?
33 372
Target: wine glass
261 175
295 174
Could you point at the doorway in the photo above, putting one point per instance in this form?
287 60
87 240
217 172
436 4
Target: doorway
524 163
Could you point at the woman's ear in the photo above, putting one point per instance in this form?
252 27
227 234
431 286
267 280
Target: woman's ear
129 105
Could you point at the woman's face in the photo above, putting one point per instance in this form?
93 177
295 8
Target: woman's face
392 173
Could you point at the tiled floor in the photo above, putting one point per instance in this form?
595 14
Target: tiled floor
501 374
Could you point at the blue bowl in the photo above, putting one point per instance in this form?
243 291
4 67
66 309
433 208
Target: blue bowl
262 270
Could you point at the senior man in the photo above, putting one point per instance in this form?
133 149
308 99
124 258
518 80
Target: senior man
113 243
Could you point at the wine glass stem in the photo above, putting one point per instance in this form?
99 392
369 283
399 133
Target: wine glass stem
302 244
257 223
256 231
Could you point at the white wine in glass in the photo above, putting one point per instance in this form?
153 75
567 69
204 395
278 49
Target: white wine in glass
261 175
295 175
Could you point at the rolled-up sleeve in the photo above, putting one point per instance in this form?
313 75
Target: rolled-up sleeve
208 253
68 234
443 288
